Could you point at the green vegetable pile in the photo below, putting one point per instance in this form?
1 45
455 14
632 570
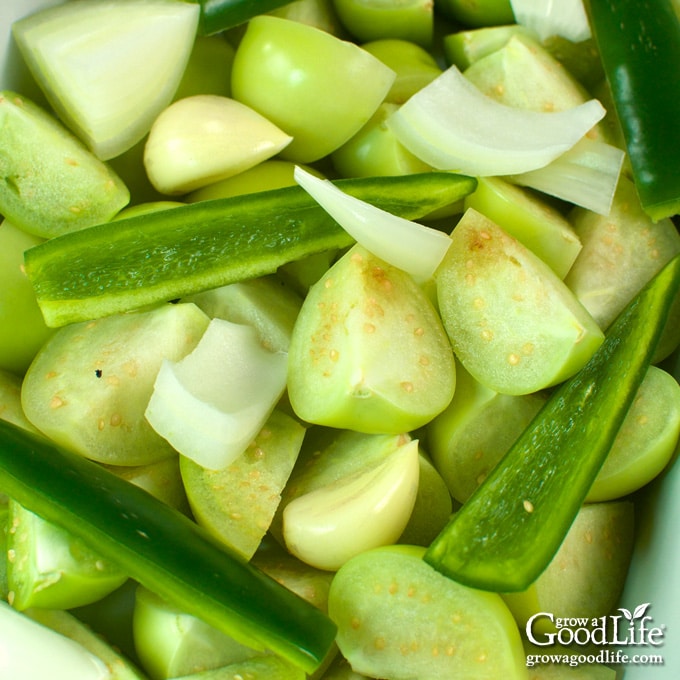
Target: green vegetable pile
338 338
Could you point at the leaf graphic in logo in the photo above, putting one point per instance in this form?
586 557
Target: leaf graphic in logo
640 610
626 613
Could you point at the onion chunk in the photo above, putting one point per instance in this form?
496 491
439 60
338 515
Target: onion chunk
452 125
412 247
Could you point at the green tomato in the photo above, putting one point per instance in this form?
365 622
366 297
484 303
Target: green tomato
375 150
209 68
477 12
318 13
315 87
398 617
368 351
376 19
171 643
270 174
22 327
414 66
52 568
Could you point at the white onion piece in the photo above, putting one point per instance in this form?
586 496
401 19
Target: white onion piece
451 125
109 68
587 175
31 651
410 246
547 18
212 403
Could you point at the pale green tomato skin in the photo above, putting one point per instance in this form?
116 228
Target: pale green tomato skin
145 208
171 643
415 67
264 303
376 19
471 435
465 47
161 479
318 13
22 327
54 569
478 13
375 150
322 102
432 508
209 68
646 441
270 174
596 550
10 403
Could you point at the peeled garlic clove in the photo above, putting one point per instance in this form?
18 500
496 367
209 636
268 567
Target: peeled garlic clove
203 139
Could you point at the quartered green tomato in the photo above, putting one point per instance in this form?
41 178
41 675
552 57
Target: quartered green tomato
22 327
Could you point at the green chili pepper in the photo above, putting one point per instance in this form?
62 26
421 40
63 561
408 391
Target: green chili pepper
639 45
505 535
161 548
220 15
163 255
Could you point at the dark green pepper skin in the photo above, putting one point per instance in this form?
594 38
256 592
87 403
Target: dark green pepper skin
508 531
220 15
164 255
639 45
161 548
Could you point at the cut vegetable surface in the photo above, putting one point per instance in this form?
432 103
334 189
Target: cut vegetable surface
167 254
512 322
109 68
509 530
451 125
161 548
50 184
211 403
237 503
90 384
586 175
368 351
400 619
